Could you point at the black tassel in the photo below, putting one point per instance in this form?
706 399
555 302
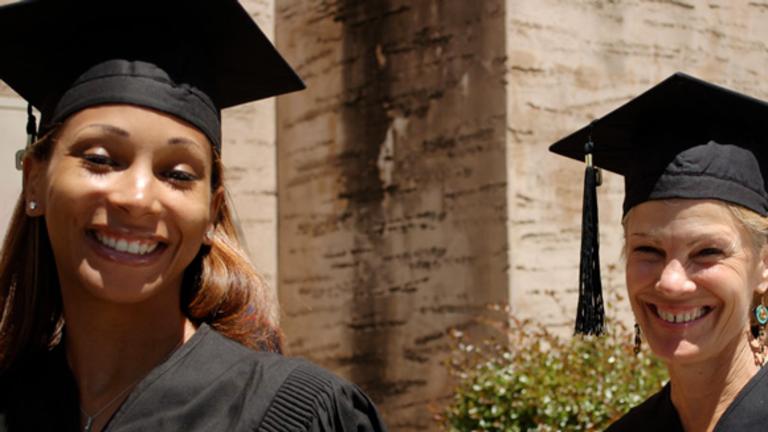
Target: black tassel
31 137
590 315
31 126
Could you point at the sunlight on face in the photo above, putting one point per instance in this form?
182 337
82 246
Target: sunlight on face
691 274
126 197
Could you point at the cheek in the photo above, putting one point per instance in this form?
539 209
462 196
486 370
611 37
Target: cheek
192 215
640 274
729 285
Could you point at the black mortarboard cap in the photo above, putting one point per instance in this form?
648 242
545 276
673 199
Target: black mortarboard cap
683 138
188 58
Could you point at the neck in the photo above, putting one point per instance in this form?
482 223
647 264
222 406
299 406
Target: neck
702 391
111 347
112 351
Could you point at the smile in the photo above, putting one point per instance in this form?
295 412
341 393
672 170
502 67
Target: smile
681 317
133 247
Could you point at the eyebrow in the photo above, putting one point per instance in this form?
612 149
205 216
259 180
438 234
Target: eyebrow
182 141
696 236
110 129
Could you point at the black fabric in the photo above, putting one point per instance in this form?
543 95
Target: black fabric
138 83
214 384
40 396
683 138
188 58
747 413
710 171
655 414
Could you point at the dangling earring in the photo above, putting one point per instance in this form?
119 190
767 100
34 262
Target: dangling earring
761 316
638 341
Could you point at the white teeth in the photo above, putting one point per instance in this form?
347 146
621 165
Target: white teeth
682 317
135 247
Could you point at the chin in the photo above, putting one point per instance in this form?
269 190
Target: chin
680 351
115 287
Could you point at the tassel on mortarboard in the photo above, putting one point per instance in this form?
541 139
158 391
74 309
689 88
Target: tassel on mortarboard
31 137
590 313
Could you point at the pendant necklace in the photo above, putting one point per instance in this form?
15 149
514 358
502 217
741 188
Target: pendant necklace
89 419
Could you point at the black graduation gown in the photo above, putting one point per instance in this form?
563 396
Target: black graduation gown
211 383
747 413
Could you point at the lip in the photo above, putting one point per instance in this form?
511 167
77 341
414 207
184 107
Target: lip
124 257
653 308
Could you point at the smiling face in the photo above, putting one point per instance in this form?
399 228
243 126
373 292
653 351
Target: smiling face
692 272
126 195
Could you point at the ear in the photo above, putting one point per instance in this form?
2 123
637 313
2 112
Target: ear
762 285
33 186
217 203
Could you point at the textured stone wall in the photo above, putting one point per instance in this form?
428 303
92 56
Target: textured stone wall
249 158
13 119
415 183
392 183
570 62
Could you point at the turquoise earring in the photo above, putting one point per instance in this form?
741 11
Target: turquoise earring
761 314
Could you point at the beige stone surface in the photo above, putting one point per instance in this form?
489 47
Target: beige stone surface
249 157
392 183
414 177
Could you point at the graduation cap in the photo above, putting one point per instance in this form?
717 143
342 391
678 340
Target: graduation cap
683 138
187 58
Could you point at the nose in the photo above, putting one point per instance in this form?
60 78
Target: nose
674 280
134 192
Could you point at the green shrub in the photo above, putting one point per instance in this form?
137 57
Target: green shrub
540 382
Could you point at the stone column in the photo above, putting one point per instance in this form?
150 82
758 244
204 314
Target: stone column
392 180
250 164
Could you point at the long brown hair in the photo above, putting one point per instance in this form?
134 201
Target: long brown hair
221 287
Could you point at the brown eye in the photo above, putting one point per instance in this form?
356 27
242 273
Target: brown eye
99 159
180 176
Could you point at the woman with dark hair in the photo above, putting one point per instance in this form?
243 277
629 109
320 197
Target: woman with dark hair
127 301
694 160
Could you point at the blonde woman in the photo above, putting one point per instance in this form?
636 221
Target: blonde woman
693 157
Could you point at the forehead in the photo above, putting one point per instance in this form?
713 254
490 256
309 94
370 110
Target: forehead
681 216
132 121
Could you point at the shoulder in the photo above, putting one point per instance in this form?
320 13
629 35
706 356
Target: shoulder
656 412
319 401
215 383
